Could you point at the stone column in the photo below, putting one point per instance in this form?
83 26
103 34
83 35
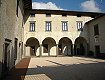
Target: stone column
27 51
71 50
72 47
40 52
24 53
87 49
56 49
74 50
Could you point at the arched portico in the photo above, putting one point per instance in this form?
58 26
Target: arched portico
32 47
49 47
65 46
80 47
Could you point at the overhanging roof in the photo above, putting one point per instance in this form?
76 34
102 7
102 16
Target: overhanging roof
59 12
96 18
27 4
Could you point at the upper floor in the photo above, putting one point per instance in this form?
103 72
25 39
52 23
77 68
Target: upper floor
57 21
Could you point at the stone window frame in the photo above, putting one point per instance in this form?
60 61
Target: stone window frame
79 25
32 26
48 26
64 25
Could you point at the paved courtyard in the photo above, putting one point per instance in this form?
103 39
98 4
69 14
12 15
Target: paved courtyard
65 68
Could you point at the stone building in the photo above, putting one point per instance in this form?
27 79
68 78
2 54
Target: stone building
57 32
26 32
12 20
96 30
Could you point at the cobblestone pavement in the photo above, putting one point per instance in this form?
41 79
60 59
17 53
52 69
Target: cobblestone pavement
65 68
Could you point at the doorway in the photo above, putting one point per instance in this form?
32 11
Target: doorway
15 47
97 50
6 59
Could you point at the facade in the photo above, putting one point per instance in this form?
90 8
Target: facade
27 32
54 33
96 28
12 20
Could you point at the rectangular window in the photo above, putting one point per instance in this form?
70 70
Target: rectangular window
96 29
48 15
17 7
32 26
32 15
78 15
45 48
48 25
64 15
64 26
79 25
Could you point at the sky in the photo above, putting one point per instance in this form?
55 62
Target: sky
71 5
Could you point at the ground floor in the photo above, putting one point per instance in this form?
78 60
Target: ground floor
11 53
58 68
50 47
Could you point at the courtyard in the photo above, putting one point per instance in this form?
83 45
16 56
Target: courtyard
59 68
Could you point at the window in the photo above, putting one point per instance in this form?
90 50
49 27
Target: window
79 26
64 26
45 48
92 16
78 15
17 7
96 29
32 26
48 15
32 15
64 15
48 25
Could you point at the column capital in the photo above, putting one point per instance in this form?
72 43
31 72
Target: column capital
57 44
41 44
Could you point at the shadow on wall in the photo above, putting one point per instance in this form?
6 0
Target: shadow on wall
8 59
49 45
1 70
65 44
67 50
81 46
27 14
79 71
33 43
86 44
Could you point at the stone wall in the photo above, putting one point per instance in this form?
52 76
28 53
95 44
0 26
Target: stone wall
11 29
98 39
56 32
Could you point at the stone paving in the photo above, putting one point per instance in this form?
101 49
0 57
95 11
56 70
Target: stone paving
65 68
18 72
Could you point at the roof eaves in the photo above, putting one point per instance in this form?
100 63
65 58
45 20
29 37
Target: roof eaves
43 11
27 4
96 18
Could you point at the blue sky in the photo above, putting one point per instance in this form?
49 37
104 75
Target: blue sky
75 5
